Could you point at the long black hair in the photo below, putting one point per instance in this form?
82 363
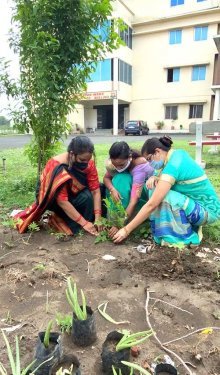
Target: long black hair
164 143
121 150
81 144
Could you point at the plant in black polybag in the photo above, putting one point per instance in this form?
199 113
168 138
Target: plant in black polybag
83 326
48 350
116 349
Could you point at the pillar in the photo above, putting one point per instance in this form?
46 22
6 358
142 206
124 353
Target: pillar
115 100
216 112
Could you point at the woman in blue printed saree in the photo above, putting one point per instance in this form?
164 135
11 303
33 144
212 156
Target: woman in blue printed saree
182 197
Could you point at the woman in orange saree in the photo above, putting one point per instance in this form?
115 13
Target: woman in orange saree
68 187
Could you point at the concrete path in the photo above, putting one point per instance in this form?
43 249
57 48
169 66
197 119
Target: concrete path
18 141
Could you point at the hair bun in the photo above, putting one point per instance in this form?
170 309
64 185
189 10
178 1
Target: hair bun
166 140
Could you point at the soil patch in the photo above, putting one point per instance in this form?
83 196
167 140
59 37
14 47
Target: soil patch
33 272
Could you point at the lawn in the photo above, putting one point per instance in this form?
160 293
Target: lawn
17 185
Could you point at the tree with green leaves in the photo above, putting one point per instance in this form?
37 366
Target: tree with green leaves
58 42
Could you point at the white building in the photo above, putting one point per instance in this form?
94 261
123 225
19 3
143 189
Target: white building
168 71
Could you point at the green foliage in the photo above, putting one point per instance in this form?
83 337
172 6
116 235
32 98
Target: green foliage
129 340
58 49
142 231
64 322
17 187
39 267
4 121
211 232
72 298
116 218
47 334
15 363
134 366
33 227
159 124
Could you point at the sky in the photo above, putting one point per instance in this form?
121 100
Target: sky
5 51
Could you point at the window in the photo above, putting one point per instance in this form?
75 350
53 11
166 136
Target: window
103 30
199 1
200 33
173 75
125 72
126 35
173 3
171 112
102 72
175 37
195 110
198 73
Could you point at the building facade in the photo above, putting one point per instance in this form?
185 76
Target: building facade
167 72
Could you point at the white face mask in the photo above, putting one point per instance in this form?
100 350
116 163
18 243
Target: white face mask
123 169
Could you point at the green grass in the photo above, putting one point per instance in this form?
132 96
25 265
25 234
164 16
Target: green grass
17 186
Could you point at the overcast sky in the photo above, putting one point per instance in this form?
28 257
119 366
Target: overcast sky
5 24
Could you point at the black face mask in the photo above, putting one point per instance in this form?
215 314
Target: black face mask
80 165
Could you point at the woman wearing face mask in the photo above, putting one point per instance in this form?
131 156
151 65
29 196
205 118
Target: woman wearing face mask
127 172
182 200
69 187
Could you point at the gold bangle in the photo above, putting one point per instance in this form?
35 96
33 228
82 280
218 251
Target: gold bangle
126 231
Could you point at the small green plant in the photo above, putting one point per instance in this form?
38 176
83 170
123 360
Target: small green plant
33 227
64 322
8 318
47 334
72 298
134 366
39 267
217 274
15 362
60 236
120 372
159 124
128 340
117 216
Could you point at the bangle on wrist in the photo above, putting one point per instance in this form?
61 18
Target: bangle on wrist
78 218
126 231
86 222
98 211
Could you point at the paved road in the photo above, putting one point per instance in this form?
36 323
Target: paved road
18 141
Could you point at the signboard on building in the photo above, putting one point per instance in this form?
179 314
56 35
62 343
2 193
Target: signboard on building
99 95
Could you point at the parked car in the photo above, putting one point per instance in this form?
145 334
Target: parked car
137 127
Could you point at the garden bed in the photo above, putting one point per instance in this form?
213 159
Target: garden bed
33 272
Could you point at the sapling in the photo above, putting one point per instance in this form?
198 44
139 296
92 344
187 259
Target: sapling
128 340
47 334
117 216
15 362
64 322
72 298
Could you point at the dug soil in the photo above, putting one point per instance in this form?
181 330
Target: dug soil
184 296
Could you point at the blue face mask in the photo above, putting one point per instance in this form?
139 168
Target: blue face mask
157 164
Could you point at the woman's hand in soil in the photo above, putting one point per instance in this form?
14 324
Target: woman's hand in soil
120 235
152 182
90 228
112 231
99 227
115 195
